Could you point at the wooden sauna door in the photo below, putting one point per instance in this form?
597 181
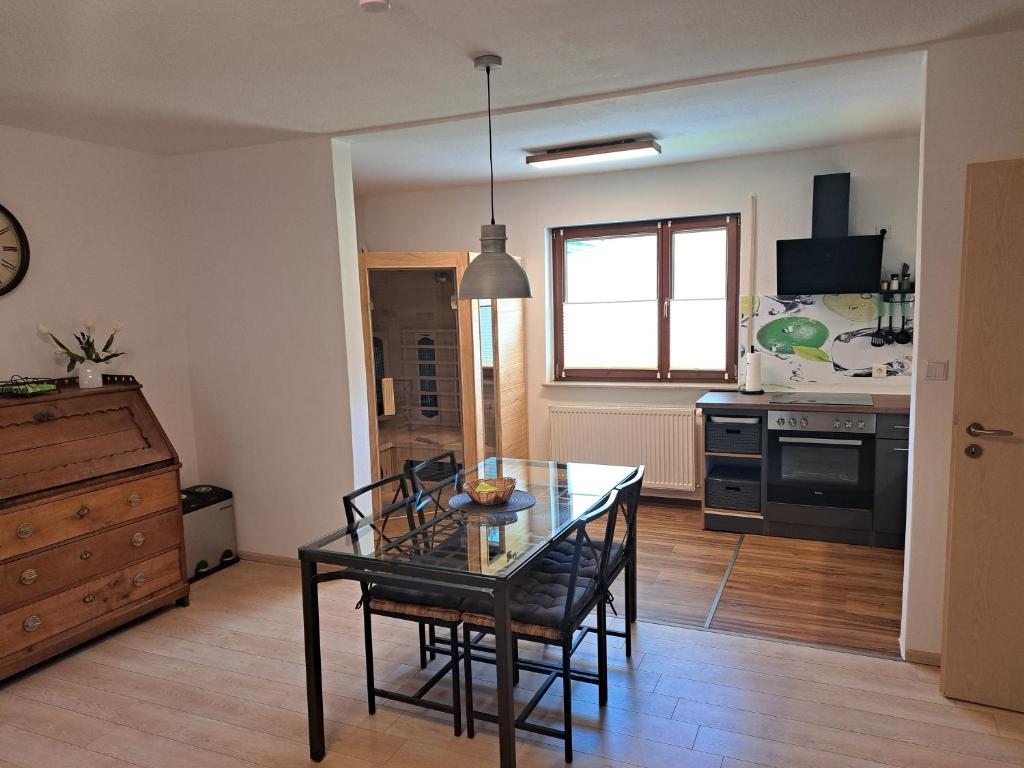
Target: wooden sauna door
468 355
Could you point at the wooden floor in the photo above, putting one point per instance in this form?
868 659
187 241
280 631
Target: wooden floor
806 591
220 685
680 566
815 592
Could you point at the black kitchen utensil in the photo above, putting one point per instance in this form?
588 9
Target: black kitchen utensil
878 338
890 337
903 335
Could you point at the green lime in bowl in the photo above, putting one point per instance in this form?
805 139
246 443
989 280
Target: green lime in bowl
784 333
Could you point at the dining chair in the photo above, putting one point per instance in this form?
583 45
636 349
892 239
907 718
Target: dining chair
361 501
430 480
436 468
428 609
622 555
549 603
621 552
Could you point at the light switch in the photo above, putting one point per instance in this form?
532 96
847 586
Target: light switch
937 370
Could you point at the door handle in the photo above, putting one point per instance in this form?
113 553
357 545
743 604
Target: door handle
974 429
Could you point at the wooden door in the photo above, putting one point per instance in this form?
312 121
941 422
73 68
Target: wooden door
468 356
983 636
510 410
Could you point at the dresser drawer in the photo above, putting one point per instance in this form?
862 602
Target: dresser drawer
28 578
50 616
52 522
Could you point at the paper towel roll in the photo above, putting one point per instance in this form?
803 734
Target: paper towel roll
753 380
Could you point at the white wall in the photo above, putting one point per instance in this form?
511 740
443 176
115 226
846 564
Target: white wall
884 193
974 112
93 218
257 232
355 359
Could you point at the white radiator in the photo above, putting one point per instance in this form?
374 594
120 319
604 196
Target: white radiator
662 438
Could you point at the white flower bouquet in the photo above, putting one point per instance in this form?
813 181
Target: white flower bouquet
87 345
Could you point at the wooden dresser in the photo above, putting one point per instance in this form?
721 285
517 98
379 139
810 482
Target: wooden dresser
90 518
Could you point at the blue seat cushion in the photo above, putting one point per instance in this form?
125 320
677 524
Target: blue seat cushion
413 596
562 555
539 596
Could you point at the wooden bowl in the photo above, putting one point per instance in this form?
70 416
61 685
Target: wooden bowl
502 493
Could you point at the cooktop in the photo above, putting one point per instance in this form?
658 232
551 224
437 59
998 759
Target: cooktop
822 398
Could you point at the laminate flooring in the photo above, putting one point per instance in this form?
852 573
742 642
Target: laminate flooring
221 685
806 591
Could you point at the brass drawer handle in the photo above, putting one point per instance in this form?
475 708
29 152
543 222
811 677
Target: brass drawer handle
32 623
134 500
82 511
86 555
138 540
140 579
25 530
29 576
89 597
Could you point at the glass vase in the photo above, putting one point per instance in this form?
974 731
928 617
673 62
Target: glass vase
89 375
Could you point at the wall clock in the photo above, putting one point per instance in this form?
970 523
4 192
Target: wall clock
13 252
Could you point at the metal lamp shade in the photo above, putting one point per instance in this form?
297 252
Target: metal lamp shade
494 274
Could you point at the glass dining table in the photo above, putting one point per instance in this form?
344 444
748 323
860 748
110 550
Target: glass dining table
460 552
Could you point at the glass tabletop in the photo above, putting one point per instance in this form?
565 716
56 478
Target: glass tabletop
476 542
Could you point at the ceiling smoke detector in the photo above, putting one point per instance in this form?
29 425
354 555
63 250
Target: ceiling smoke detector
374 6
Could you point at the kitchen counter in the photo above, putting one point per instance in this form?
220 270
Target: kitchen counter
756 481
896 404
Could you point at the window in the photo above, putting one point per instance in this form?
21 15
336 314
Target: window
647 301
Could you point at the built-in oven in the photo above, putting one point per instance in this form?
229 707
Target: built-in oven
819 459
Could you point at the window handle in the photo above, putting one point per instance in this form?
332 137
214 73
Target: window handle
664 308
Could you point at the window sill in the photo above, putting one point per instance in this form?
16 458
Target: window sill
610 384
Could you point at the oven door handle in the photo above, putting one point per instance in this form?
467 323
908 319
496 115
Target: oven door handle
820 441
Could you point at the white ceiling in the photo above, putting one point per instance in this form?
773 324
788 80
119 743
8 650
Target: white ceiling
175 76
851 101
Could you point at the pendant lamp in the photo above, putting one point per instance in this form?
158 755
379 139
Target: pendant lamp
493 274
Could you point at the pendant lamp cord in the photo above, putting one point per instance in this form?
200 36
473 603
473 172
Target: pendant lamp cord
490 141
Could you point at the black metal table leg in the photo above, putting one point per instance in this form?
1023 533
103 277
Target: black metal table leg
504 661
314 678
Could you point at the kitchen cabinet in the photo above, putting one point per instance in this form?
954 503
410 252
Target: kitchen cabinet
878 518
890 491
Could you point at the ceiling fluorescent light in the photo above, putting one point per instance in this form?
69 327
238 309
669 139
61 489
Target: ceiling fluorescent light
595 153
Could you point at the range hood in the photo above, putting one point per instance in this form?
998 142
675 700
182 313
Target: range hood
830 260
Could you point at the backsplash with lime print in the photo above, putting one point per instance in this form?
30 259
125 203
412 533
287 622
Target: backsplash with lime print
825 339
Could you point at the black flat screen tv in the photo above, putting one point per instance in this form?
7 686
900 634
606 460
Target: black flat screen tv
829 265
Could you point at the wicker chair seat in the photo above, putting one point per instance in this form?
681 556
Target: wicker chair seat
414 611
